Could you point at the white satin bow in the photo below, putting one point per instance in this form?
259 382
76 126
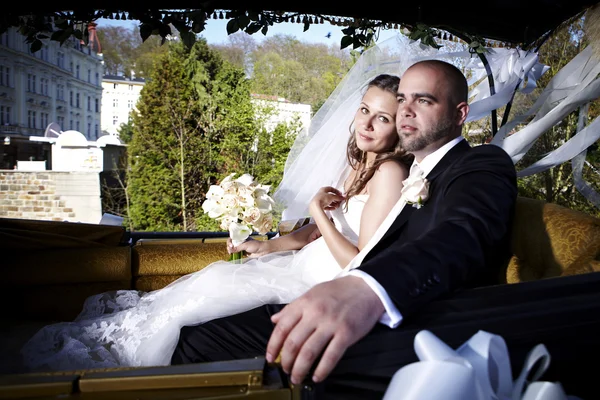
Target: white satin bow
478 370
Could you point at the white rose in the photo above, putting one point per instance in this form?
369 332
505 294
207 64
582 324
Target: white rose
416 191
251 215
264 224
239 232
229 201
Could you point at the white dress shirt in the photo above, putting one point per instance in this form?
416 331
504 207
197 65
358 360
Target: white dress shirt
392 316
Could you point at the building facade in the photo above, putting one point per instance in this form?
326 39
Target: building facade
280 110
119 97
58 83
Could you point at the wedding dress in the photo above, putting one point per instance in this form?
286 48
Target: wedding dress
132 328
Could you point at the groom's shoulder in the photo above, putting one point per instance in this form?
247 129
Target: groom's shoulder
486 156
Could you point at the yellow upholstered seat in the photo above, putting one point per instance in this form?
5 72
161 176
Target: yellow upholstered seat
550 240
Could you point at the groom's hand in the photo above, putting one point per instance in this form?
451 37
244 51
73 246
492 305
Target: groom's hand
324 322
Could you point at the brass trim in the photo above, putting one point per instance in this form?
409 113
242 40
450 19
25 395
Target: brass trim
167 381
16 387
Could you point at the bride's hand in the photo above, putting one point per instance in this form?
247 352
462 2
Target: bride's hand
252 247
327 198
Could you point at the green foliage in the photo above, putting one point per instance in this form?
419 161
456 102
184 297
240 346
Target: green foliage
299 72
196 124
191 103
126 132
425 34
556 185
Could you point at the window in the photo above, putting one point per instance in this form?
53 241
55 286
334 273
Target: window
60 59
4 76
77 101
77 71
61 121
60 92
71 124
89 108
71 98
31 119
89 75
97 105
44 86
44 53
71 66
130 87
44 118
115 85
130 104
89 129
115 120
115 103
31 83
5 115
77 125
97 79
96 131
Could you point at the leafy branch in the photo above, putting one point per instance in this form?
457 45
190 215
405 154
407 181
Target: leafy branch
60 26
426 34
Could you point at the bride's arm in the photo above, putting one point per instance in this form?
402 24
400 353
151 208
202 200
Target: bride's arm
385 188
292 241
329 198
384 191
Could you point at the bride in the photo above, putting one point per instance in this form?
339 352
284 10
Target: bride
354 182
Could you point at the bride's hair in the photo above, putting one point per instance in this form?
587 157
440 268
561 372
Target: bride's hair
357 158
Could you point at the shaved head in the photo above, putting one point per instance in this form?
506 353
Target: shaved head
456 81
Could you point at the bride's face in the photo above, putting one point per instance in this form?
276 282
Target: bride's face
374 122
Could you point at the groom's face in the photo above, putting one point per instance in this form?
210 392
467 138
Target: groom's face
425 115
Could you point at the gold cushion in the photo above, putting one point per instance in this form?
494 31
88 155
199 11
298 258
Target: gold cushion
37 234
176 258
551 240
74 265
150 283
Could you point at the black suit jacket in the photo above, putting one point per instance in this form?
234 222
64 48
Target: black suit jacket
460 237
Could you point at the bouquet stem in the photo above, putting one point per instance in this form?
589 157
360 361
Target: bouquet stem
236 257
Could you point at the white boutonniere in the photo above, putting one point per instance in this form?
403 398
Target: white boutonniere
415 190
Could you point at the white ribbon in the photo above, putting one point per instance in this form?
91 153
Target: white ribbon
478 370
512 69
570 149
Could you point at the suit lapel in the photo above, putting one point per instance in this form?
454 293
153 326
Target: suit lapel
441 166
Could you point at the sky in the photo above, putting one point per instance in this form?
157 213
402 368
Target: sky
216 31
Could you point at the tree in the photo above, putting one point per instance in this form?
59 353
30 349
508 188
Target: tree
299 72
193 101
119 49
238 50
125 54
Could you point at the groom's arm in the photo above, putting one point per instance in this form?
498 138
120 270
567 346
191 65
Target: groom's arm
473 221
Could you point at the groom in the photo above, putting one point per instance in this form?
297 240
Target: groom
362 324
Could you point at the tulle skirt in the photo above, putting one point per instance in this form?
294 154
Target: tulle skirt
132 328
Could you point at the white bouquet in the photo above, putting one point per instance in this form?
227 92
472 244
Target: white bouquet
241 205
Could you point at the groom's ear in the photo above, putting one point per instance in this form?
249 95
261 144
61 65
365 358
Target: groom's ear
462 110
